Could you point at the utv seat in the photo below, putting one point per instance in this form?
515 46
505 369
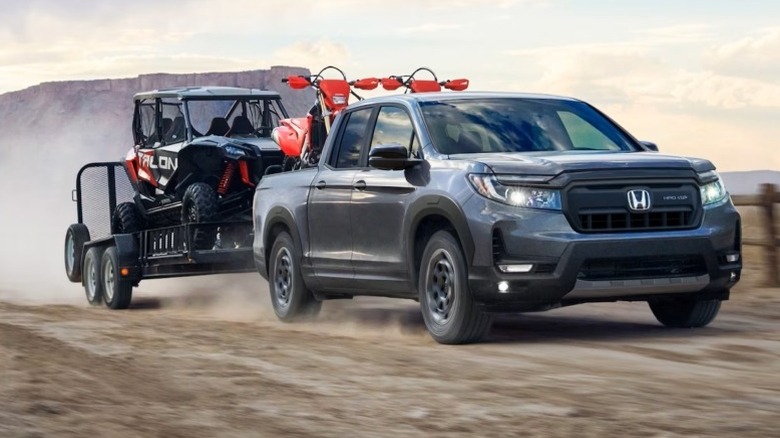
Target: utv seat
241 127
160 136
219 126
177 131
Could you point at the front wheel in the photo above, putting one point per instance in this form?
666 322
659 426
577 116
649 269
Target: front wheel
685 313
289 296
200 204
126 219
450 314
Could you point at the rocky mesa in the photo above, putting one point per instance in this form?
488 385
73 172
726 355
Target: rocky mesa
92 118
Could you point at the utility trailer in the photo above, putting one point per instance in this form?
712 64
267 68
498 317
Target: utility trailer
109 265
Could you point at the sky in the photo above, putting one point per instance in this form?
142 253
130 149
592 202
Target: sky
699 78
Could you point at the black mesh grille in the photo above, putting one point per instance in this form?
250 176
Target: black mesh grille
100 187
642 267
622 221
600 208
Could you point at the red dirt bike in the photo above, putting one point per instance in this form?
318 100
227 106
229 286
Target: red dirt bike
414 85
301 139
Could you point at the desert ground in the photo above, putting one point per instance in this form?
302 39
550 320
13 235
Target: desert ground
207 358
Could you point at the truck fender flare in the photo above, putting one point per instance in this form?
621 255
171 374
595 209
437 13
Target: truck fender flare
437 205
280 215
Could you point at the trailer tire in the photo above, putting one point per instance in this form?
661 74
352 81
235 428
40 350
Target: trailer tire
117 291
200 204
93 284
290 298
126 219
75 237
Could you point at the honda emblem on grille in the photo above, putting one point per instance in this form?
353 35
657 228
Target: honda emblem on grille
639 200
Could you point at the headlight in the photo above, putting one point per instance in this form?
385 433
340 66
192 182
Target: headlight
235 151
531 197
713 193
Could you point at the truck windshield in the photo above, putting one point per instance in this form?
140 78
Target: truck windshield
520 125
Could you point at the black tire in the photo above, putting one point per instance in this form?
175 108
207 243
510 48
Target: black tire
685 313
200 204
93 284
75 238
117 292
449 312
290 298
126 219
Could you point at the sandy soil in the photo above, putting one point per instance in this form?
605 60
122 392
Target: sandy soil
198 359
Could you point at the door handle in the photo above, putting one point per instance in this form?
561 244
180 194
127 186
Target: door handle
320 184
360 185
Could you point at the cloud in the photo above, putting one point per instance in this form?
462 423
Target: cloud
677 34
633 73
312 54
756 56
429 28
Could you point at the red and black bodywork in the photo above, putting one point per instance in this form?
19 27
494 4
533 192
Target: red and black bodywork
301 139
219 136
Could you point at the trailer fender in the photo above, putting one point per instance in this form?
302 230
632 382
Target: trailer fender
127 251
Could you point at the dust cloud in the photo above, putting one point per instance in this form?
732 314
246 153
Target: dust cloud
37 209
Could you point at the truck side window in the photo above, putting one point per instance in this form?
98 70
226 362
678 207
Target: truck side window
393 126
352 139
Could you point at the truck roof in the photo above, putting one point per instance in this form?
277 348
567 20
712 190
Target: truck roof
207 93
467 95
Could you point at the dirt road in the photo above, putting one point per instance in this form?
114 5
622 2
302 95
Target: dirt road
207 364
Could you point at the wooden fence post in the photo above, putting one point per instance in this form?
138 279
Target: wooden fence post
769 195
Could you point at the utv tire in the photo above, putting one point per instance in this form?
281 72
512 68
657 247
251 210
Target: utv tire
93 284
449 312
289 296
127 219
685 313
200 204
117 291
75 238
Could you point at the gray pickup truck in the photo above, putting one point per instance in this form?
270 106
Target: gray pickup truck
483 203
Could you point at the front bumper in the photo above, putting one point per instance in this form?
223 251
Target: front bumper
572 267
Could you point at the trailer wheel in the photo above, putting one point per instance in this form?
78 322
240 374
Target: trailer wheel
290 297
200 204
117 291
75 238
126 219
93 286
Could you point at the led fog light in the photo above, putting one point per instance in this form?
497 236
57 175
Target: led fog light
512 269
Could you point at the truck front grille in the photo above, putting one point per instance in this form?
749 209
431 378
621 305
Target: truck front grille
604 207
624 221
642 267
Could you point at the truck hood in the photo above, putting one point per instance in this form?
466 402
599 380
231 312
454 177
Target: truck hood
554 163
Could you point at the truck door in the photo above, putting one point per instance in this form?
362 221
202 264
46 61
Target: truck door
378 206
330 226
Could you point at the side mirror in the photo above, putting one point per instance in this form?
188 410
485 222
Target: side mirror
391 157
650 146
